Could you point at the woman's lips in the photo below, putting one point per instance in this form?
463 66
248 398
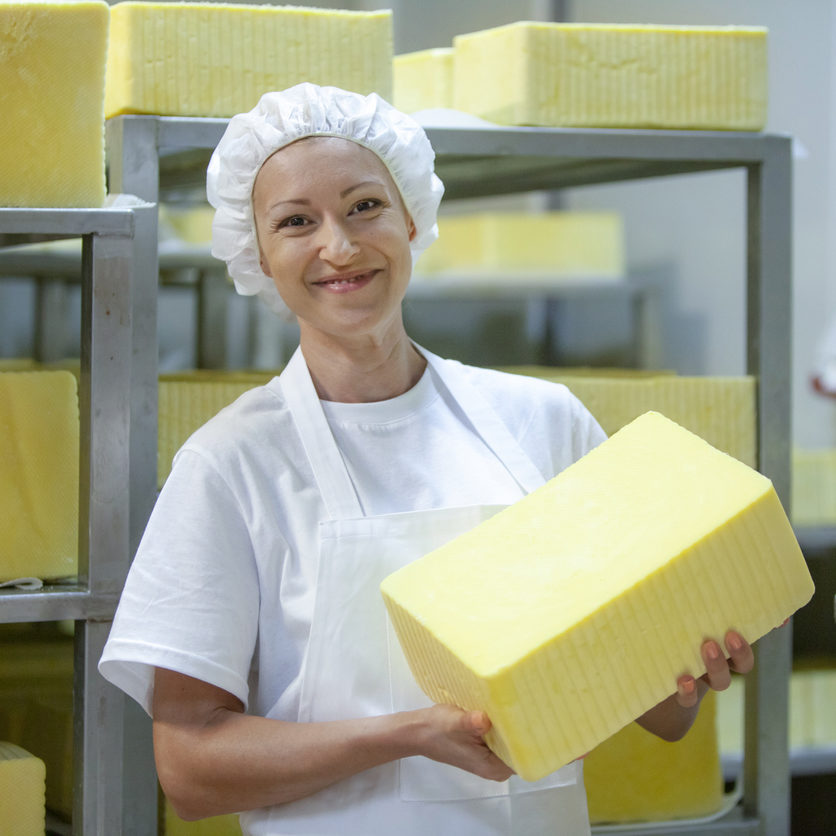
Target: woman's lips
346 283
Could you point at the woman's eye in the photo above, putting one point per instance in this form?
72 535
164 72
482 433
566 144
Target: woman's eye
294 221
365 205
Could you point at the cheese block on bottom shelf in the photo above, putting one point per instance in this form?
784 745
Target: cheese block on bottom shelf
22 806
635 776
217 59
614 76
52 81
39 448
573 611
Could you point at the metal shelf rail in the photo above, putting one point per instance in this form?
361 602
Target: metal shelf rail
156 156
108 254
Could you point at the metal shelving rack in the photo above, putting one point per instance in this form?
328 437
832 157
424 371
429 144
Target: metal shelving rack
107 272
154 156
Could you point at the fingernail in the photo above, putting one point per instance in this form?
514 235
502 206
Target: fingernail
734 642
713 651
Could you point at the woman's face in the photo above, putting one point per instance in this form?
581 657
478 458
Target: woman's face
334 236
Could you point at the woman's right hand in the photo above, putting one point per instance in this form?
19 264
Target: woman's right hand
451 735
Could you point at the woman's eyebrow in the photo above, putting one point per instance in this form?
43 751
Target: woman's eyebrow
365 183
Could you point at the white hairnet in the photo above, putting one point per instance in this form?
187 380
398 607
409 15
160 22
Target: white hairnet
301 111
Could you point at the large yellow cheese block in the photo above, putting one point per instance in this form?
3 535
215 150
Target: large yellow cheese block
217 59
635 776
188 400
572 612
519 246
721 410
610 75
52 70
22 805
39 440
173 825
423 80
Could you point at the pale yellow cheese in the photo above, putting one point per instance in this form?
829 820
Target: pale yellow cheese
574 611
22 805
609 75
635 776
721 410
173 825
518 246
188 400
217 59
814 487
52 67
423 80
39 469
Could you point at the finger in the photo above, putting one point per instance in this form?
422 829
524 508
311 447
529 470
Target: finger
476 722
717 672
686 691
741 656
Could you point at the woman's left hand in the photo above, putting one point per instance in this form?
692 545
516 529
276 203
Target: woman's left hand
735 655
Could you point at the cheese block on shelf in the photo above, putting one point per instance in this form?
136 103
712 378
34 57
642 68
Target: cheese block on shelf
423 80
22 804
39 470
52 80
614 76
635 776
188 400
217 59
814 487
573 611
516 246
721 410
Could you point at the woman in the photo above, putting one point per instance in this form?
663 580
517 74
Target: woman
251 626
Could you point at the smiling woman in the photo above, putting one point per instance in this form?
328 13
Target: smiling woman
251 626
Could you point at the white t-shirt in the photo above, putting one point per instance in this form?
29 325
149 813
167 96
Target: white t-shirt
222 586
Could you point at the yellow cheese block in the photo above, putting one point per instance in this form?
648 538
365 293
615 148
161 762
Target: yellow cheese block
22 806
574 611
39 438
814 487
188 400
635 776
217 59
518 245
173 825
52 69
721 410
423 80
618 76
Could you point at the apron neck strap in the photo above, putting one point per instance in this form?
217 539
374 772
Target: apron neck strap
335 486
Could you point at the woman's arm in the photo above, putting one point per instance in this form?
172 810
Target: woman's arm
672 717
213 759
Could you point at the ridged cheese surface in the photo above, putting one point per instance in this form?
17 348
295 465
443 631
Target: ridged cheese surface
423 80
635 776
22 805
814 487
573 611
518 246
39 446
52 70
618 76
216 59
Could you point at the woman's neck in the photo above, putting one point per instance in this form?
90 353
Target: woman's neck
362 371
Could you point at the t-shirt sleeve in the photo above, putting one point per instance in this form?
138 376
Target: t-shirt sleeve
191 600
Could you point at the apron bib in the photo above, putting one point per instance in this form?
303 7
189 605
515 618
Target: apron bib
354 666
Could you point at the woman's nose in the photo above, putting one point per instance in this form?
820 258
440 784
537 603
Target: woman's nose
336 243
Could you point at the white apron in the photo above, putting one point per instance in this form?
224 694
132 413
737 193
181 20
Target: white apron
354 666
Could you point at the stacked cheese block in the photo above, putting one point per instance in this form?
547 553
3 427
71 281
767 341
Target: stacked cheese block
215 59
599 75
720 410
39 470
22 808
423 80
814 487
527 246
188 400
52 78
574 611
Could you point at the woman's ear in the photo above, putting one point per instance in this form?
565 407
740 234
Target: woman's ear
262 263
411 227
